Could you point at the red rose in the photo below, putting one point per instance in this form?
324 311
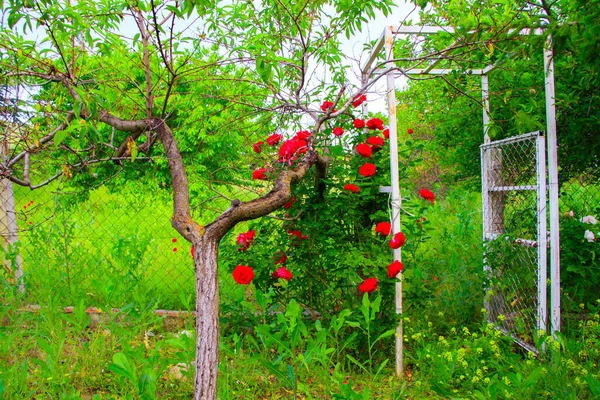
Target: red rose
410 131
395 268
302 135
282 273
298 234
289 204
274 139
259 174
386 133
243 274
358 100
245 239
369 285
383 228
427 195
326 106
290 149
193 251
398 240
367 170
359 123
174 240
375 141
352 188
375 123
256 147
364 150
174 249
282 257
339 131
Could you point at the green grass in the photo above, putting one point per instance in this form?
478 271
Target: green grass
449 351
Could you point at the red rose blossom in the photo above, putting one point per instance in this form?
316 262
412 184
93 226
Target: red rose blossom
376 142
282 273
174 249
302 135
352 188
367 170
290 149
338 131
298 234
289 204
427 195
174 240
256 147
358 100
386 133
282 257
326 106
395 268
359 123
274 139
369 285
410 131
398 240
375 123
364 150
192 250
245 239
383 228
259 174
243 274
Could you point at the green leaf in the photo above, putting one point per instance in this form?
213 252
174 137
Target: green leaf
593 384
365 307
121 366
384 335
134 153
357 363
264 69
59 137
532 378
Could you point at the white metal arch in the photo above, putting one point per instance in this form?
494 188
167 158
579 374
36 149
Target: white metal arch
386 41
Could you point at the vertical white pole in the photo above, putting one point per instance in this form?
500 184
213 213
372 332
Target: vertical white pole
552 186
485 100
542 239
485 194
396 200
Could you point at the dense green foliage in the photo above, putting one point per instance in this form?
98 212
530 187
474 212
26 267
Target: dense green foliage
226 88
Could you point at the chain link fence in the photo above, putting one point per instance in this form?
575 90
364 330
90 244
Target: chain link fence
513 209
109 247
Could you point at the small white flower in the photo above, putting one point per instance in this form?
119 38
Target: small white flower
589 236
571 213
589 219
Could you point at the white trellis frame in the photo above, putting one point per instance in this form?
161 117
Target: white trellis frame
389 67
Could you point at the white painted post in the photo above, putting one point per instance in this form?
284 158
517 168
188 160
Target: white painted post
542 239
8 222
396 199
552 187
485 100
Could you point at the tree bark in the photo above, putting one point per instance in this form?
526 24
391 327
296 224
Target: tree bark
207 318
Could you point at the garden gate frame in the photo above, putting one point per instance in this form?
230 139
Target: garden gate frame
389 68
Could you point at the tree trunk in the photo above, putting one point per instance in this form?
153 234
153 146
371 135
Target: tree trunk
207 318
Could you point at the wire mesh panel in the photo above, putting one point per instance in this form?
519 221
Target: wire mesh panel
579 238
514 218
